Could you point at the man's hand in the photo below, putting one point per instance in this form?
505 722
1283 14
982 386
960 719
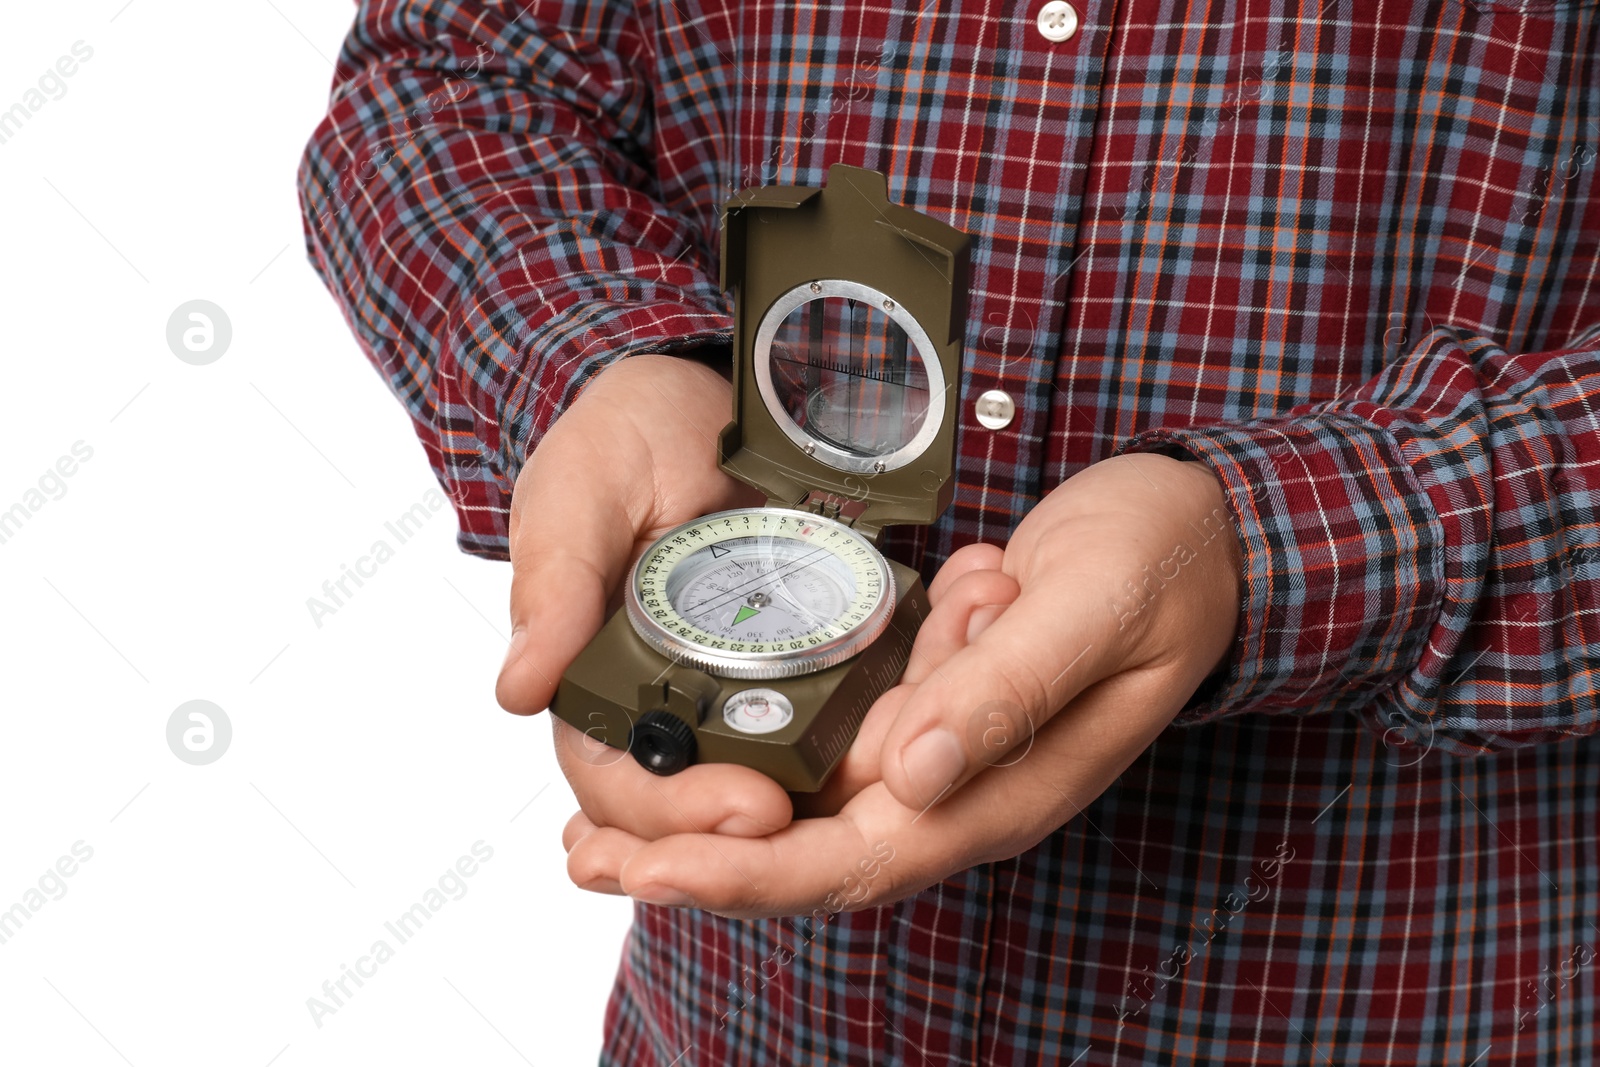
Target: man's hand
634 456
1034 685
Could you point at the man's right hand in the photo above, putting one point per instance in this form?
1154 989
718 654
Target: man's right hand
634 456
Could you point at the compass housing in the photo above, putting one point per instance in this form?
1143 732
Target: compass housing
786 245
849 313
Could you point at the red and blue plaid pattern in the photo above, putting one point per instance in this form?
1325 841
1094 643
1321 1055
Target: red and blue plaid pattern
1344 252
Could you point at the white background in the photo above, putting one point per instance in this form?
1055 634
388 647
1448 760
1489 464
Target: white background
368 754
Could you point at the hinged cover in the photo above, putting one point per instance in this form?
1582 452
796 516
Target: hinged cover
849 313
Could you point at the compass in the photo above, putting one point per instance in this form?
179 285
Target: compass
761 636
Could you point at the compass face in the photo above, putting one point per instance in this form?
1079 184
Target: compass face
761 593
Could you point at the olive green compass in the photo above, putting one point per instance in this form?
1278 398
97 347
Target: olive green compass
761 636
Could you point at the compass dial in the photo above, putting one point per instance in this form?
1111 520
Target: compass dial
761 593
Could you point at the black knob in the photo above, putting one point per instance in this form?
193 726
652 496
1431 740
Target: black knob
662 742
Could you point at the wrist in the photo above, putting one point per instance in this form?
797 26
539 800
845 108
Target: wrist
1212 519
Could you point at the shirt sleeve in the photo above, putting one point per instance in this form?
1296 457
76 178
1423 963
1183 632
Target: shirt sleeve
480 200
1424 550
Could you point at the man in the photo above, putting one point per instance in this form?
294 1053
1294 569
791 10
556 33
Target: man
1272 560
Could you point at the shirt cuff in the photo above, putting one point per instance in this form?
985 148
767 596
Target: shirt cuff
1342 554
530 377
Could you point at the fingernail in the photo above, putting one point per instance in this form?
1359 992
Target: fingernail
932 762
519 640
663 895
981 619
742 825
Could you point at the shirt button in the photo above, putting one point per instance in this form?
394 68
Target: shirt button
995 409
1058 20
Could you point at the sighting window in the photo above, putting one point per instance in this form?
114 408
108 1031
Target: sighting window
845 373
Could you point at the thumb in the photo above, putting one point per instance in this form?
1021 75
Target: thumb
572 539
988 699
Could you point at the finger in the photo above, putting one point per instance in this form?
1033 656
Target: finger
784 874
878 851
859 767
873 852
596 857
615 792
963 561
577 826
1032 659
967 605
569 550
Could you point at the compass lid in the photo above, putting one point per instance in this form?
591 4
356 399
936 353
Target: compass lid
849 313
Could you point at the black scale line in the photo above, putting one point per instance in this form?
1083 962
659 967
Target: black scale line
893 377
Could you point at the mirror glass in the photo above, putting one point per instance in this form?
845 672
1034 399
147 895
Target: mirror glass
849 376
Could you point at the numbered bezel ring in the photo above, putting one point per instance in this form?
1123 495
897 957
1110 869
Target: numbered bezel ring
818 448
760 666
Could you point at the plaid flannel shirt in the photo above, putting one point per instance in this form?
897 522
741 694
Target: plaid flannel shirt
1343 252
